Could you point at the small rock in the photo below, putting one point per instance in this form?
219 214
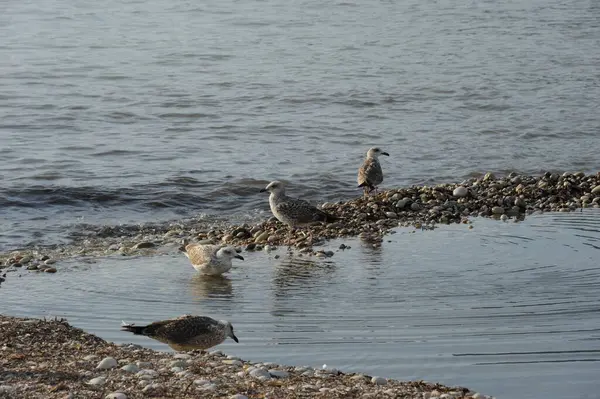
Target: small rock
179 363
147 373
107 363
460 192
233 362
49 261
391 215
50 270
489 176
184 356
144 365
520 202
596 190
116 395
415 206
378 381
97 381
504 218
497 210
260 373
238 396
90 358
279 373
209 387
151 388
144 244
261 236
402 203
130 368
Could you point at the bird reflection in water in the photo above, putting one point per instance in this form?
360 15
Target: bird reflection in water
295 273
204 287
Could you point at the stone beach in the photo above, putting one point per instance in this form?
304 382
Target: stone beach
511 197
51 359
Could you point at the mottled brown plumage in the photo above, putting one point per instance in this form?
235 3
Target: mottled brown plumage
370 174
186 332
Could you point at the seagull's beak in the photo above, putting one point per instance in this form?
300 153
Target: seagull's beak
385 153
262 190
239 257
235 338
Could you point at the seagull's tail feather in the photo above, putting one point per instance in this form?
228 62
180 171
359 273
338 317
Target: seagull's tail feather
137 330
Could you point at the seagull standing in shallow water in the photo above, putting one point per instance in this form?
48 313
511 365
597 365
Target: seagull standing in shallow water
293 211
370 174
187 332
212 260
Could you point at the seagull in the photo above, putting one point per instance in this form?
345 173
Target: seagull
293 212
187 332
370 174
212 260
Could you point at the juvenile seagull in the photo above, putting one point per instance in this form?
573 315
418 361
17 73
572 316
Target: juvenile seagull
212 260
187 332
293 211
370 174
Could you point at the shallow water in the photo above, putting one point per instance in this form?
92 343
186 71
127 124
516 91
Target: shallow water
135 111
508 309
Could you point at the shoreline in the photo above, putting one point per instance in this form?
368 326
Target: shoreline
52 359
512 197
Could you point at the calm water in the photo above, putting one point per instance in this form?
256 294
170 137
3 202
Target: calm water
507 309
134 111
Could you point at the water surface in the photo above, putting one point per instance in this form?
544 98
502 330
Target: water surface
507 309
135 111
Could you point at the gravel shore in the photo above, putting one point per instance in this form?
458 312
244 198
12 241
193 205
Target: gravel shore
51 359
511 197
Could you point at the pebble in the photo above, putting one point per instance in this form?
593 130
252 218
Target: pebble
402 203
233 362
378 381
50 270
460 192
144 365
259 373
151 388
97 381
130 368
596 190
262 237
391 215
238 396
179 363
147 373
49 261
208 387
497 210
107 363
144 244
279 373
184 356
116 395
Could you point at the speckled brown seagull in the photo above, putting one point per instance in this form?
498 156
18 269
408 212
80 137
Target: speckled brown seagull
212 260
370 174
293 211
187 332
